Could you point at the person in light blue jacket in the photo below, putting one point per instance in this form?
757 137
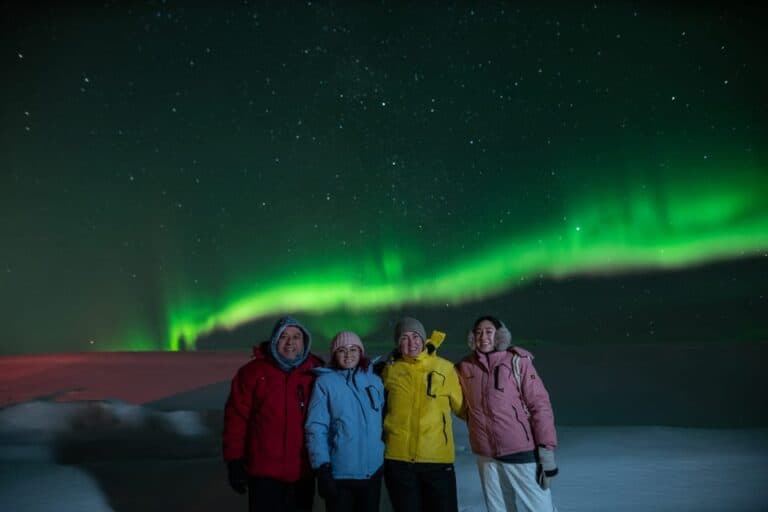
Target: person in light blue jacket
343 428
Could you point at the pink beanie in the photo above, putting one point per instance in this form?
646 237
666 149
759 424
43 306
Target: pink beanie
346 339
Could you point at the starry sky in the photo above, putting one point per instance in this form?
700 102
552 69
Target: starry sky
174 175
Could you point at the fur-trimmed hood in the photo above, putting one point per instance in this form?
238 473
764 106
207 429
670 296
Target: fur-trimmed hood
501 340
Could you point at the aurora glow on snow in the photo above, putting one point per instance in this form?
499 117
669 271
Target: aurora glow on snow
172 172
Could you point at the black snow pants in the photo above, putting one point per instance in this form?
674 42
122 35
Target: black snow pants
270 495
420 486
357 495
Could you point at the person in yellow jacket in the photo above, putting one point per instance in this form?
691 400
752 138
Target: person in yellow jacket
421 391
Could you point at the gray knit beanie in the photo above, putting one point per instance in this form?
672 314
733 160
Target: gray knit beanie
409 324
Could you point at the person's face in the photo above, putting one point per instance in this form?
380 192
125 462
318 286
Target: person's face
484 334
348 357
410 344
290 345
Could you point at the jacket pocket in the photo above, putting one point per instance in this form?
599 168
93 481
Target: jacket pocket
336 436
435 383
374 397
501 376
522 425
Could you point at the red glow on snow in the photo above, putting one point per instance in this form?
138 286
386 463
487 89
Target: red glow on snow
133 377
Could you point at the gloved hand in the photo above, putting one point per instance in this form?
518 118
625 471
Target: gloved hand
326 485
546 467
238 478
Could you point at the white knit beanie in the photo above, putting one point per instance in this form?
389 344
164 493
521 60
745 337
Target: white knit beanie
346 339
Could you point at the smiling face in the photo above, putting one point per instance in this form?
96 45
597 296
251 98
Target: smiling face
410 344
347 357
485 333
290 345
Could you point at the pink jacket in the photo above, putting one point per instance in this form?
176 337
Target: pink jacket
506 413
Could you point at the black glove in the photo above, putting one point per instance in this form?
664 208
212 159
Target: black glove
238 478
326 485
546 467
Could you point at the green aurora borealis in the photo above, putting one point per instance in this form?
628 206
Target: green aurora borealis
611 236
170 172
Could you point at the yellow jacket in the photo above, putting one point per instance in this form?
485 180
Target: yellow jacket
421 393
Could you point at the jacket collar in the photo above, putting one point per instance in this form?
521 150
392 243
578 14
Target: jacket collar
423 355
489 359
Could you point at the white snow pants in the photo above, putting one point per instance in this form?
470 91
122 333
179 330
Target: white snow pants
512 487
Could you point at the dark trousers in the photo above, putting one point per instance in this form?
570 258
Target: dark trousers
270 495
420 486
356 495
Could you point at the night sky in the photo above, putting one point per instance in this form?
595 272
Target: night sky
173 176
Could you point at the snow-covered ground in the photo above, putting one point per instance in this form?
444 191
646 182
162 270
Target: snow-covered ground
137 432
112 456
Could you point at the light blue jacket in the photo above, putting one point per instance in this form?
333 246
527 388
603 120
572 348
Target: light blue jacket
344 422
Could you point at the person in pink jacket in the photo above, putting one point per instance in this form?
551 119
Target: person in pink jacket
510 420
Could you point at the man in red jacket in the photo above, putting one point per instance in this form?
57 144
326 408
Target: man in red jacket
264 422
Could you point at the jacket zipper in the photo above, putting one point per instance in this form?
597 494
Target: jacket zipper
445 433
300 395
285 416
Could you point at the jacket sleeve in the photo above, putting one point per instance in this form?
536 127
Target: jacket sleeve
317 426
455 395
462 414
536 399
382 393
237 411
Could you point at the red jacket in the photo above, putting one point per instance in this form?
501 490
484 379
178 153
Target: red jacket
264 417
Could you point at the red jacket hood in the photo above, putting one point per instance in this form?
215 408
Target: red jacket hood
261 352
